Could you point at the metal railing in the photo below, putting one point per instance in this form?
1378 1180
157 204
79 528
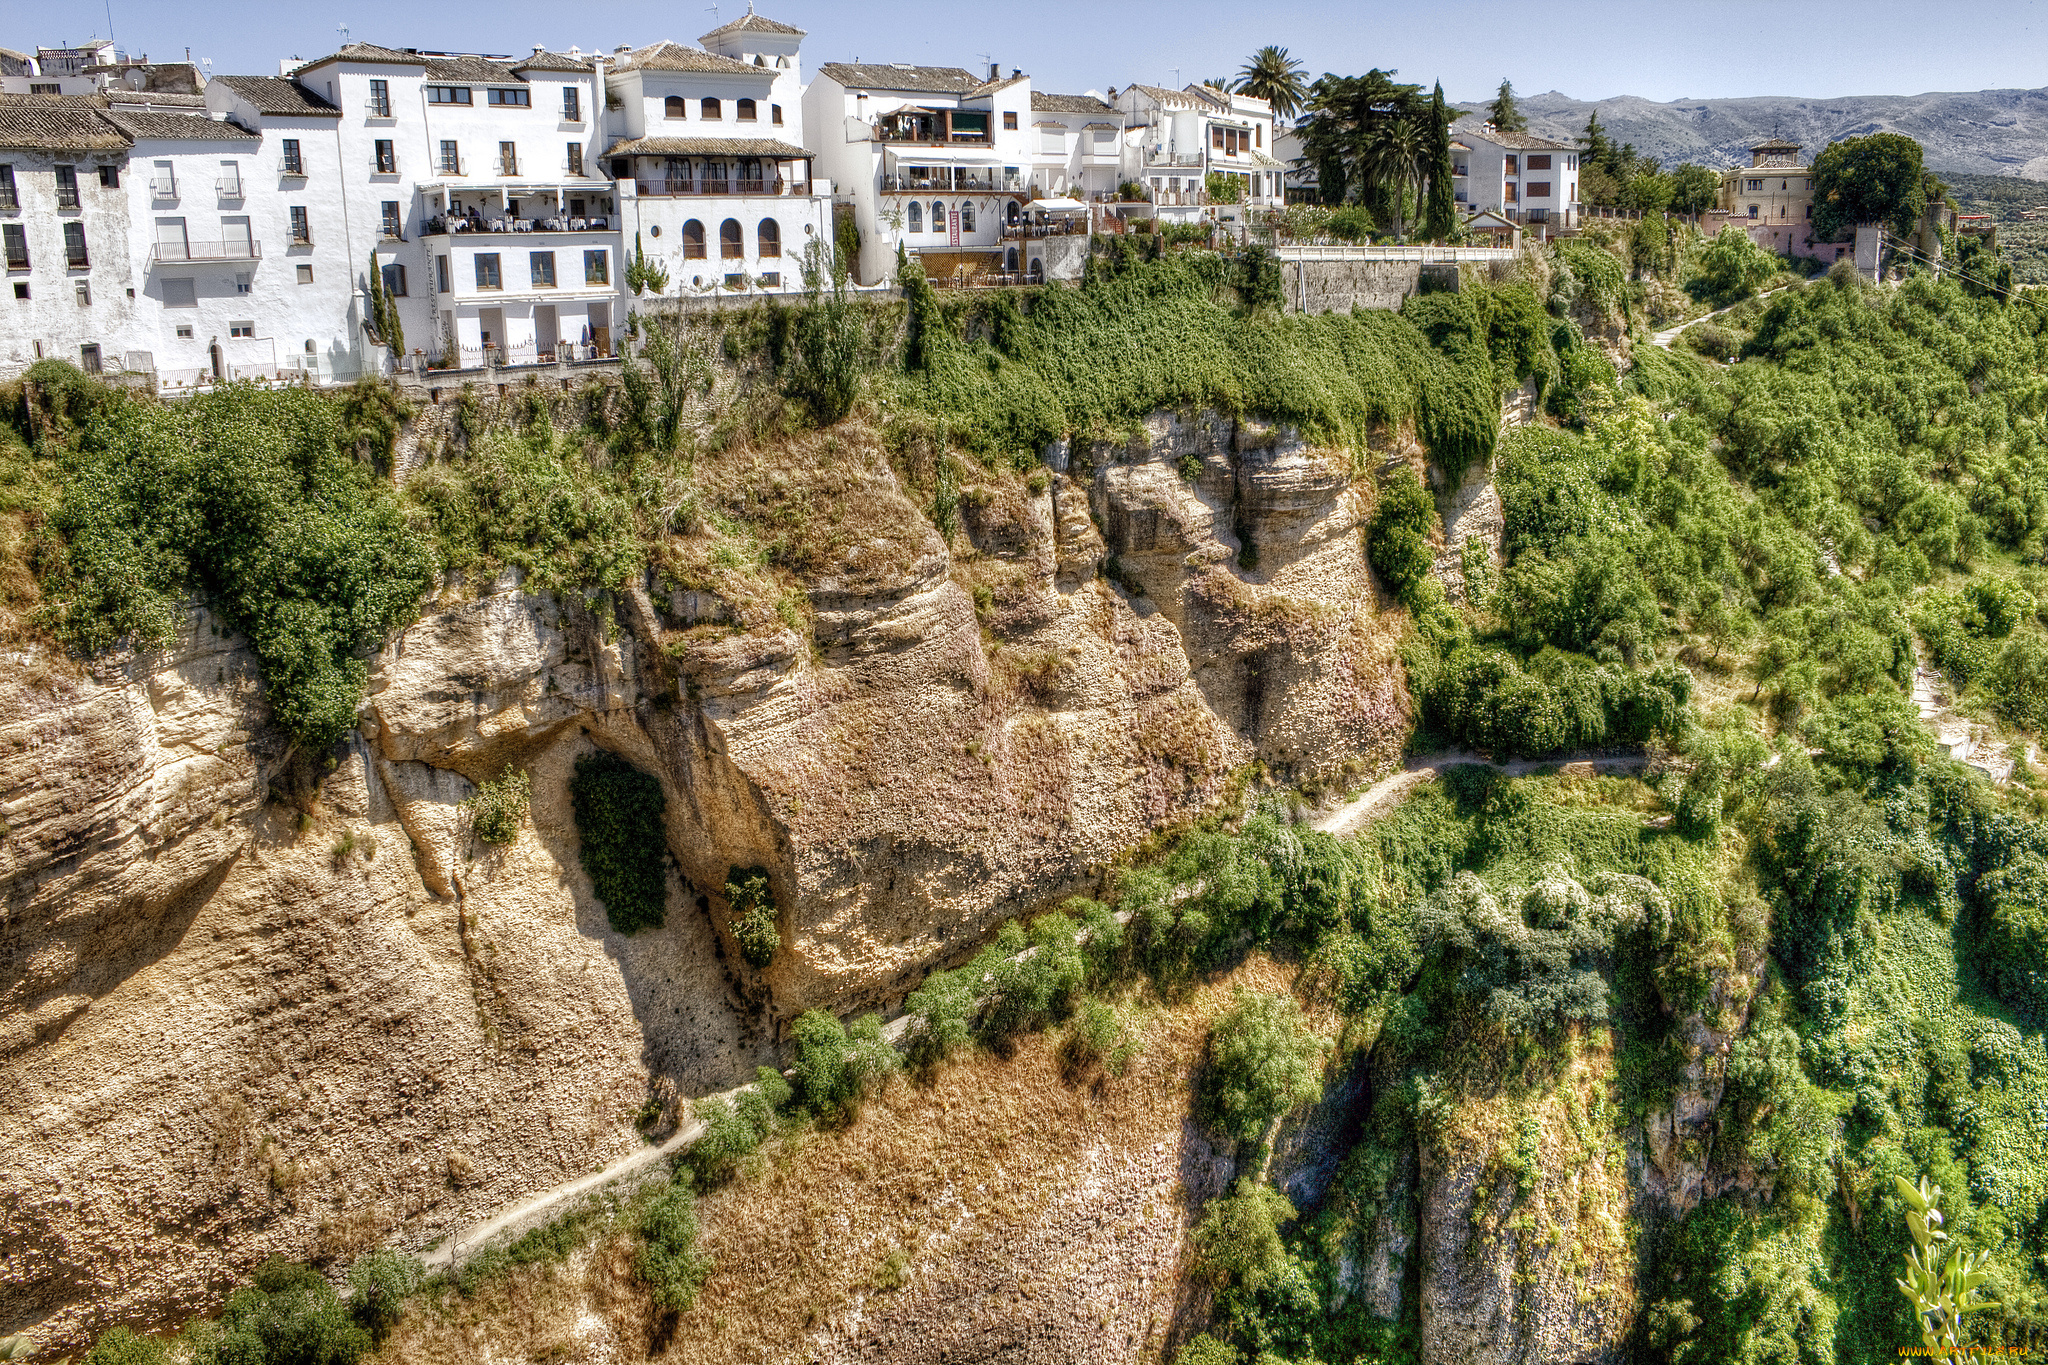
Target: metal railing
161 188
289 165
1173 158
379 166
206 251
915 184
377 108
77 260
441 225
9 201
703 185
914 139
451 165
1068 228
229 187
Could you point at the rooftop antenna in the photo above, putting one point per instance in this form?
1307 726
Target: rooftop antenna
1176 78
712 9
342 29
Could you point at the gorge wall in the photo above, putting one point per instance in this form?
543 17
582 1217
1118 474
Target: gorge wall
260 1003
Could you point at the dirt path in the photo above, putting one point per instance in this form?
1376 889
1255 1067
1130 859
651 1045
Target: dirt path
1389 791
1664 338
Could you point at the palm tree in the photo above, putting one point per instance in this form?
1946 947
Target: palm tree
1271 75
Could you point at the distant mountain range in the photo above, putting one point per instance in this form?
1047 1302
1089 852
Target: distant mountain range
1983 132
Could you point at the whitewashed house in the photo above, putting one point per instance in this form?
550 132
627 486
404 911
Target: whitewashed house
930 158
1076 147
714 182
1528 180
1179 138
64 236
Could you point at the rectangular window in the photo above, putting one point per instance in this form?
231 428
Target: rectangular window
1539 189
21 289
519 98
242 329
380 99
74 246
387 157
17 245
775 115
302 228
394 280
487 271
1009 120
290 163
574 164
542 266
1809 212
451 158
572 105
184 331
394 224
508 158
110 177
1510 167
1539 163
1216 139
305 272
1052 140
448 94
595 270
244 282
82 291
1752 210
441 273
8 198
44 88
89 359
67 187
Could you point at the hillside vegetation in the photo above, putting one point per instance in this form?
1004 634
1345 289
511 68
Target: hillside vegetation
1800 916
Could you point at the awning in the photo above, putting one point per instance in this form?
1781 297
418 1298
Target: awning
1056 206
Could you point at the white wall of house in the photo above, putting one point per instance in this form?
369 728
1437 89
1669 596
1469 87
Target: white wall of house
1180 137
54 308
657 226
1503 176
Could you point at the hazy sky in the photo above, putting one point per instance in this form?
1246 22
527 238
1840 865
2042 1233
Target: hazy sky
1660 49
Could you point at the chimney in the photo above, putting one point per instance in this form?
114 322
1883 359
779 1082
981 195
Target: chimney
1015 72
622 49
538 49
995 69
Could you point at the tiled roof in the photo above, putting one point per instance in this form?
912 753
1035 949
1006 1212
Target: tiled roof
995 83
672 56
469 69
277 95
930 80
751 22
1045 103
58 123
153 99
1177 99
764 147
544 60
369 52
178 127
1776 144
1521 142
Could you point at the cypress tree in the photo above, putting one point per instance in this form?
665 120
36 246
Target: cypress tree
1504 115
1441 219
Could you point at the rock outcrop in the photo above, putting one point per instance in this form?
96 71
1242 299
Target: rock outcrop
257 1002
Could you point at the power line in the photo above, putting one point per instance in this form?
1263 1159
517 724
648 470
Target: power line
1900 244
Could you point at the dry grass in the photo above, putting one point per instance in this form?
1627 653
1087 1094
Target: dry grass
990 1183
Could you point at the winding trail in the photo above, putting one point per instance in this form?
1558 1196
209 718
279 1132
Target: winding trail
1354 814
1662 340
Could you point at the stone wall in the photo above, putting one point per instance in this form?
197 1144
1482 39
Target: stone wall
1326 286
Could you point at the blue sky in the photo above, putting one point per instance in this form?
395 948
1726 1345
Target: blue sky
1660 49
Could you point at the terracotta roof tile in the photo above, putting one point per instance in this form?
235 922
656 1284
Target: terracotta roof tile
58 123
279 96
673 56
751 22
930 80
178 127
766 148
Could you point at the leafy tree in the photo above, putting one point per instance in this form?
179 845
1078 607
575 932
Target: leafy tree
836 1069
830 342
753 914
1442 217
1271 75
1502 113
1874 179
668 1261
1398 540
500 804
1732 267
1264 1062
1358 135
644 276
618 813
1694 189
287 1315
379 1285
1223 187
1237 1243
117 1346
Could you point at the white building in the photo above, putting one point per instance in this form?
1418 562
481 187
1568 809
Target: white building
1526 179
1076 147
1179 138
930 158
64 235
707 148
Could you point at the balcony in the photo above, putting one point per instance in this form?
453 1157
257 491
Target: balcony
442 225
1173 158
168 253
292 166
161 188
1065 227
77 259
9 201
918 184
919 138
228 187
508 167
686 189
377 108
452 165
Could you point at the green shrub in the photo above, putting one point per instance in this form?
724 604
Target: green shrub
836 1068
379 1285
1732 267
668 1261
1098 1038
500 804
1399 541
1263 1062
1204 1349
287 1315
119 1346
244 496
1237 1243
2012 950
618 812
753 914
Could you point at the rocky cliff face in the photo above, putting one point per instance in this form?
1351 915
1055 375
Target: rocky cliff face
255 1002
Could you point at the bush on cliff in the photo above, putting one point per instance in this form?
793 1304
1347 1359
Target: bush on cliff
618 812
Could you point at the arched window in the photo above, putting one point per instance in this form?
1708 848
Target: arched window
938 216
966 216
1037 270
710 109
1013 213
1010 259
771 238
732 244
672 107
745 112
693 240
916 216
782 62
